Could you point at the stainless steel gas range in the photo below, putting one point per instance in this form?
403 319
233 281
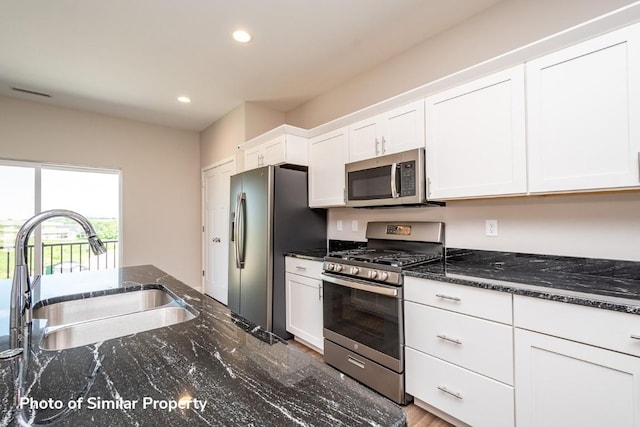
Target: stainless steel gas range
363 302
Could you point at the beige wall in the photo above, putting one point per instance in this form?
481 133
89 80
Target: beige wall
220 140
160 175
507 26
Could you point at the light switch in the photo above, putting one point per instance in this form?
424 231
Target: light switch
339 225
354 225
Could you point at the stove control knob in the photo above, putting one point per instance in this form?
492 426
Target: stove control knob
355 270
373 274
338 267
330 266
384 275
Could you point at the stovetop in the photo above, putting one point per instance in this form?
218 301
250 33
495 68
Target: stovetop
384 257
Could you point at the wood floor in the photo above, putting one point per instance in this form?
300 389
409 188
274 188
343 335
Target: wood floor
416 416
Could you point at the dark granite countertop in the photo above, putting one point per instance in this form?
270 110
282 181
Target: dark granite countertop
311 254
238 375
607 284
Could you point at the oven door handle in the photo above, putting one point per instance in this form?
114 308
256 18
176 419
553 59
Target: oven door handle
390 292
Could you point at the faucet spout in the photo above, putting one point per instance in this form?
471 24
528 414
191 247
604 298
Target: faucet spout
21 299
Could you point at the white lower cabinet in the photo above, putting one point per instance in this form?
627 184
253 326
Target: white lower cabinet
469 397
459 352
575 365
304 301
565 383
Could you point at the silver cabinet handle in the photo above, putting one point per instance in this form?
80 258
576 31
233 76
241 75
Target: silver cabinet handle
358 363
382 144
446 338
377 143
446 390
456 299
635 337
320 292
299 267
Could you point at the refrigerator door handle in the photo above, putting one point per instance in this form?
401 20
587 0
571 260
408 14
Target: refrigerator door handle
240 229
234 231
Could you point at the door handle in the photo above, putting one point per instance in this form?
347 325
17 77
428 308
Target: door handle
242 200
236 226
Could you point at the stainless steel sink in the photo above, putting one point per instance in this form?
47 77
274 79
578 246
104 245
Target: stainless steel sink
86 321
93 331
82 310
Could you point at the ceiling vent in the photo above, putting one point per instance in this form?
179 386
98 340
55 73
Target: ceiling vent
31 92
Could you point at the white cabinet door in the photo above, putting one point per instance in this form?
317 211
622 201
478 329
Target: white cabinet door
304 308
584 115
327 157
274 151
365 138
396 130
475 138
403 128
253 158
564 383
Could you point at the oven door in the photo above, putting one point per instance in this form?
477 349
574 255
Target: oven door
365 318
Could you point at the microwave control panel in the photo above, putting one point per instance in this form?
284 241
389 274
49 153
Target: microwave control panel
408 178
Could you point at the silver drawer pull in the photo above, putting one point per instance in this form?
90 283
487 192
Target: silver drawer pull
300 267
446 338
635 337
356 362
456 299
454 394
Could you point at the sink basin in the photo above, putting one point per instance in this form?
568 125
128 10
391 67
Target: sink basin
82 310
93 331
86 321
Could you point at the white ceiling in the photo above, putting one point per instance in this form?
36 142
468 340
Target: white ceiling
134 58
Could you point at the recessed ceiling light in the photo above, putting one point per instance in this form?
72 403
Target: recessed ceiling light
241 36
184 99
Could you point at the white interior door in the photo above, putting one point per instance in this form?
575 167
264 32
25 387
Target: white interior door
216 229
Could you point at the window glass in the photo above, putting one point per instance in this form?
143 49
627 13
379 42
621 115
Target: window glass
17 206
93 194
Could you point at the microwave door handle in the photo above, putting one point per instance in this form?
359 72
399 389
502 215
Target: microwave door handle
394 180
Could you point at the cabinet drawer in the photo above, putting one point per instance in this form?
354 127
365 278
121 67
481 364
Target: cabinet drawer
603 328
303 267
483 303
465 395
479 345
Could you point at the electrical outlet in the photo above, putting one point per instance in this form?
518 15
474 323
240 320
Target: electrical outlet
354 225
339 225
491 227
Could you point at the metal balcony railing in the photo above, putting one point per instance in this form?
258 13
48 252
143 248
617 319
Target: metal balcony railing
62 258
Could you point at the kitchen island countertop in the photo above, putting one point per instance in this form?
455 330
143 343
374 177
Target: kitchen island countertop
229 373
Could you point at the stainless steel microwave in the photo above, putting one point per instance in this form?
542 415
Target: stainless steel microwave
394 179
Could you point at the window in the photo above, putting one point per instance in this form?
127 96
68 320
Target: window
59 245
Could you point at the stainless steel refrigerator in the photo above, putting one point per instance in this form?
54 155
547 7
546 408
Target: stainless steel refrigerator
269 217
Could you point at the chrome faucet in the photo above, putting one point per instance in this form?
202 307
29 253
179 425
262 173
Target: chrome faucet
21 299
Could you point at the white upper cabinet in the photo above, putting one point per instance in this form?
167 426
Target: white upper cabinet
283 148
396 130
584 115
475 138
327 157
